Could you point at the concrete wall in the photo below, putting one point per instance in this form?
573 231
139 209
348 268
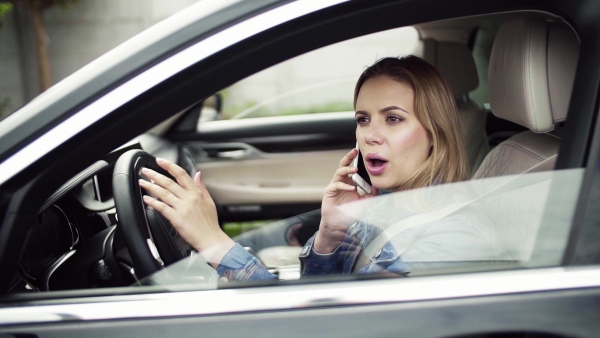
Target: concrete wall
77 35
12 89
82 32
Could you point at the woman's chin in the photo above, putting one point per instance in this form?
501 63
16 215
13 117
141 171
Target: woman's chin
382 186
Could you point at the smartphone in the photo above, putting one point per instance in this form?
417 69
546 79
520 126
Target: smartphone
361 178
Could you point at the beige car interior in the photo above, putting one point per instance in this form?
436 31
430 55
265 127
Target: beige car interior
271 178
456 64
301 177
531 74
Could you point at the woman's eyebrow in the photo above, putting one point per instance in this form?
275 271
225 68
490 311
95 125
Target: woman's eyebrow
387 109
383 110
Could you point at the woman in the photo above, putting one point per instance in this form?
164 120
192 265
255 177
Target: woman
408 133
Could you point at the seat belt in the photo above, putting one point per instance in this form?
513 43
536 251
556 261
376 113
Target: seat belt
407 223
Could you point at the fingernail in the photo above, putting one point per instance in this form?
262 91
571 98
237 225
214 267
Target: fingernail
145 170
141 182
161 160
146 198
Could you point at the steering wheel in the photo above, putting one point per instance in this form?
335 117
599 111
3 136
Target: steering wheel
150 238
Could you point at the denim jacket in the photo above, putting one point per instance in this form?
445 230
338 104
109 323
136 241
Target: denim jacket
239 265
461 238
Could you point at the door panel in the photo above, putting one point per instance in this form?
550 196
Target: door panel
271 179
268 168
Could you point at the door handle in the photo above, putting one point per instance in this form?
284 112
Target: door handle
227 151
234 154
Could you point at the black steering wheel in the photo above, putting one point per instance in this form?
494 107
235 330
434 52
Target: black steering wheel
150 238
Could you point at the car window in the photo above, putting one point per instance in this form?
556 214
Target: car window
492 223
488 223
508 249
320 81
482 48
508 222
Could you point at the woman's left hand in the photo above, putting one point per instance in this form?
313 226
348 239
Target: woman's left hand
187 205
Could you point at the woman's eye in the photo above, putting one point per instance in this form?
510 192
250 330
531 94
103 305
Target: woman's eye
361 119
394 119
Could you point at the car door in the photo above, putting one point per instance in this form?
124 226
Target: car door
555 298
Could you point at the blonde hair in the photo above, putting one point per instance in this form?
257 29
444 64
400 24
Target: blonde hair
435 108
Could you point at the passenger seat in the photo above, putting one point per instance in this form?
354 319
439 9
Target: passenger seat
456 64
531 74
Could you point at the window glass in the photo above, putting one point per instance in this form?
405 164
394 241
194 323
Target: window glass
508 222
482 48
320 81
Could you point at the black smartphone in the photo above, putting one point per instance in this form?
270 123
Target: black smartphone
361 178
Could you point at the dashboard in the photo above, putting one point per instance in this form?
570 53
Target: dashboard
74 243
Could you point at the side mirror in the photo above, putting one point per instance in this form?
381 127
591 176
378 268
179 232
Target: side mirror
211 108
207 110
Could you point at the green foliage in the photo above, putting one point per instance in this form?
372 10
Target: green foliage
231 111
5 7
45 4
331 107
41 4
235 228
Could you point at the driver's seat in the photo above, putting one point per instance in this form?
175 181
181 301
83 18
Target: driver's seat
531 74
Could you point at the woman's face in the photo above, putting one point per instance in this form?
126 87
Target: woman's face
391 139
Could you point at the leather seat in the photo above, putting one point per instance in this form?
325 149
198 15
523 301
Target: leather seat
531 74
456 64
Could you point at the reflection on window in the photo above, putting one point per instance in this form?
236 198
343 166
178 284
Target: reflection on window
507 222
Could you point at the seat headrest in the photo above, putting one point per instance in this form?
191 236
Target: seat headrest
531 72
455 62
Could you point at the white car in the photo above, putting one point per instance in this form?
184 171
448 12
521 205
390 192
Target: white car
81 255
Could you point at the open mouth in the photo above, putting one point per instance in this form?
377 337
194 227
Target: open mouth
376 164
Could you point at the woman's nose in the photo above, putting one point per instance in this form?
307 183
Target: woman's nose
373 135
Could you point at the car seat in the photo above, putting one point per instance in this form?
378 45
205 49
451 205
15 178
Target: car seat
531 74
456 64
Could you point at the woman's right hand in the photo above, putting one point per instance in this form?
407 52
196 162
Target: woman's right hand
340 190
187 204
